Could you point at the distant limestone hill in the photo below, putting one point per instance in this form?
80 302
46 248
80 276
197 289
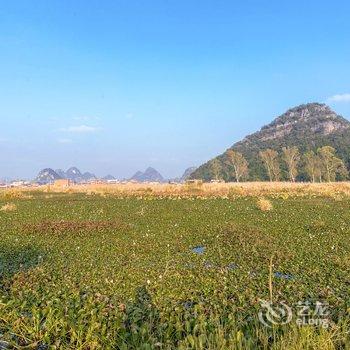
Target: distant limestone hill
109 177
188 172
149 175
74 174
307 127
88 176
49 175
61 173
185 176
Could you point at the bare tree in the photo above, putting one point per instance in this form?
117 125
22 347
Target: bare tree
239 164
313 166
291 157
270 159
216 168
331 165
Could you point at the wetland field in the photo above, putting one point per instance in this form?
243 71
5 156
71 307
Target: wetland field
240 267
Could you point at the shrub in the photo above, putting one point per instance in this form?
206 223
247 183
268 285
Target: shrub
264 204
15 194
9 207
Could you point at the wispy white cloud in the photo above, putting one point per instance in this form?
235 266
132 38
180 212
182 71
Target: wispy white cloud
81 129
86 118
64 141
339 98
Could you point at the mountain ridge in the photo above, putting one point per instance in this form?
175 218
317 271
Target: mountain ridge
48 175
308 127
149 175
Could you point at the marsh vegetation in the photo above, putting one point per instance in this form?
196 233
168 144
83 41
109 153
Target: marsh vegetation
110 269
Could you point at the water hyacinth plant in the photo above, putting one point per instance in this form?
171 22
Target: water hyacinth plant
120 272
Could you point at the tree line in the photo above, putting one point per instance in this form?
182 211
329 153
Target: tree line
322 165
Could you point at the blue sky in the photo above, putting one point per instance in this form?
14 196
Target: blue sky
116 86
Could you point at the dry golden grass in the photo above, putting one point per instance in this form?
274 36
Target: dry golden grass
264 204
9 207
15 194
284 190
222 190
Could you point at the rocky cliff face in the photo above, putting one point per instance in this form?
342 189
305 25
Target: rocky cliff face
314 117
307 127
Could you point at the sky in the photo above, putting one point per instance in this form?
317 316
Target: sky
113 87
